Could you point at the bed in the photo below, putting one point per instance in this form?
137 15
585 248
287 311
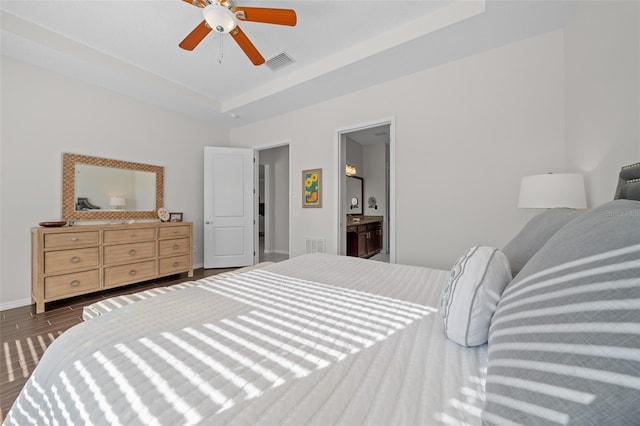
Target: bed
543 331
291 343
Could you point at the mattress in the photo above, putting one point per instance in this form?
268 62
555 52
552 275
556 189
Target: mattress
318 339
107 305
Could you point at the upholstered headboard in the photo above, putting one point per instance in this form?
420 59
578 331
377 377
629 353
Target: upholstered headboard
629 183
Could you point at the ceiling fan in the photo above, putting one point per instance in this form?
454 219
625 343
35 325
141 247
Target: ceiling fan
223 16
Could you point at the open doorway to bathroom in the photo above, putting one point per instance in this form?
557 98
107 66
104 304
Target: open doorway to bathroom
273 204
370 150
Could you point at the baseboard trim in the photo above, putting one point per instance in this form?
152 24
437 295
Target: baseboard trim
15 304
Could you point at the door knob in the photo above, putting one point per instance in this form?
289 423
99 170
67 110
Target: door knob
208 223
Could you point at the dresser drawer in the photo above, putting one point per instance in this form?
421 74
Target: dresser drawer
173 265
128 235
174 247
71 239
134 272
129 252
174 231
71 284
69 260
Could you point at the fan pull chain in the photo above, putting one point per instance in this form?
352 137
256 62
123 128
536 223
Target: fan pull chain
220 53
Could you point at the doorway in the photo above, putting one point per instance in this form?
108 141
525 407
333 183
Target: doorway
370 148
272 223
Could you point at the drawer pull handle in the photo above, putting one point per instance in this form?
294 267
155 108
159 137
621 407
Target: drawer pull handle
132 235
74 238
132 272
75 259
176 263
176 247
132 252
74 283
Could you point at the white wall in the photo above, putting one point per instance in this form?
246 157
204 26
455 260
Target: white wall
375 185
374 178
44 115
354 155
602 62
466 132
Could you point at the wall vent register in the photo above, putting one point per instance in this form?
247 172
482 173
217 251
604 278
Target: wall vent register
315 245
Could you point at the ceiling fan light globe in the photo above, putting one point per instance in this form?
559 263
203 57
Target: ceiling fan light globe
219 18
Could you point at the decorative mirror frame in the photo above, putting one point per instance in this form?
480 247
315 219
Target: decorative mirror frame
69 212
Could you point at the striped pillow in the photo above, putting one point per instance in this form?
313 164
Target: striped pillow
471 294
564 343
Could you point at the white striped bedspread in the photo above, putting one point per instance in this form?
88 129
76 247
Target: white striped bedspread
318 339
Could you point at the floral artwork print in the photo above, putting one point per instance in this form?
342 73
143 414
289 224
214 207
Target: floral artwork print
311 184
311 188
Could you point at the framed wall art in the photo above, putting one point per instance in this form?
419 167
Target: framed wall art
312 188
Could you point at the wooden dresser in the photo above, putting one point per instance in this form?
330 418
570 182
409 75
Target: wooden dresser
71 261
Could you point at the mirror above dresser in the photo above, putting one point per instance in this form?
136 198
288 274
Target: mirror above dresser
95 188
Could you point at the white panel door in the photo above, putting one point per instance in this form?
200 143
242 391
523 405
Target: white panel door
228 207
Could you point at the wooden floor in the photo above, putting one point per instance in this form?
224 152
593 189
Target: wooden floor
24 335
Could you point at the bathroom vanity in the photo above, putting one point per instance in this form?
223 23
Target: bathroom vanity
364 235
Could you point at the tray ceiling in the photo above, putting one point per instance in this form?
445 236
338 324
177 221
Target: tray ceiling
337 46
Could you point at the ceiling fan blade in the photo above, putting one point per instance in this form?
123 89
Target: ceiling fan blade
245 44
195 37
197 3
266 15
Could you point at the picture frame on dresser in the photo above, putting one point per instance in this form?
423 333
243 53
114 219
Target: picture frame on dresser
175 217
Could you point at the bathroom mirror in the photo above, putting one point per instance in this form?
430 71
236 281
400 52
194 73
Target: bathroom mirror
354 194
96 188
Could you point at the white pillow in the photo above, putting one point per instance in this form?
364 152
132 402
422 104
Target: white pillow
471 294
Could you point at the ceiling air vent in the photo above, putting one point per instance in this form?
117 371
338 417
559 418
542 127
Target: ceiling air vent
279 61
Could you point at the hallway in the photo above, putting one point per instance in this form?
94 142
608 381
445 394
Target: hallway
270 257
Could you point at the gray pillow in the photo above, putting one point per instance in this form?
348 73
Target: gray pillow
564 343
534 234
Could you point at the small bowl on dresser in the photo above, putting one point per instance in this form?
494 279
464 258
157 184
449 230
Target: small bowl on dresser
53 224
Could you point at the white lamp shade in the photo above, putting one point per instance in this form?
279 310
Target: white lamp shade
219 18
553 190
117 201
